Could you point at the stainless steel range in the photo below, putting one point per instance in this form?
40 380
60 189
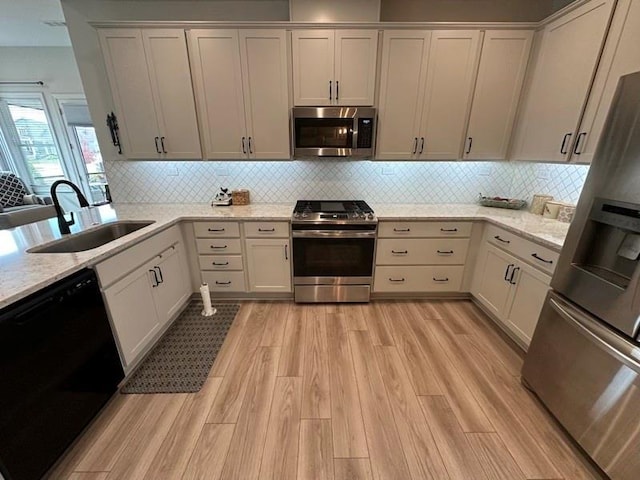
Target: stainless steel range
333 250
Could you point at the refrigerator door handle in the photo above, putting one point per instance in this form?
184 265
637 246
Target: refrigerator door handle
619 348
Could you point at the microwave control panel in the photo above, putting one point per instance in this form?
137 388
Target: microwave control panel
365 132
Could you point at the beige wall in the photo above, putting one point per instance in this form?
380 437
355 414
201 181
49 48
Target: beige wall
55 66
466 10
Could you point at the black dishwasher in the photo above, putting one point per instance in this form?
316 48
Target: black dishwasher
58 367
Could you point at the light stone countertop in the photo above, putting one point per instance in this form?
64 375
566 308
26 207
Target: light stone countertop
23 273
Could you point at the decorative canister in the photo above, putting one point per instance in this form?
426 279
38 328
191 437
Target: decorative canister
566 212
537 205
551 209
240 197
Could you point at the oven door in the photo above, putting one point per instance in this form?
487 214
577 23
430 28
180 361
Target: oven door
333 257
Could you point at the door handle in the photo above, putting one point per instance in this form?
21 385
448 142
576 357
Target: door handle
576 147
442 280
506 272
337 90
223 283
330 90
266 230
215 246
250 148
244 149
449 230
469 148
159 273
157 147
221 264
444 252
497 237
401 229
415 145
399 280
215 229
286 252
563 147
400 252
513 273
162 143
421 145
155 276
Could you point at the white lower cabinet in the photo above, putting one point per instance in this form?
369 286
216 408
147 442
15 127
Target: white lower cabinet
511 290
143 301
269 264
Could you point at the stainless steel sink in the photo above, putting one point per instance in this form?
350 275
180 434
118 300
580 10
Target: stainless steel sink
93 238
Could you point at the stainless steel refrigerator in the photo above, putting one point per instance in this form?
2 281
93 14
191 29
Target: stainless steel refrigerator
584 359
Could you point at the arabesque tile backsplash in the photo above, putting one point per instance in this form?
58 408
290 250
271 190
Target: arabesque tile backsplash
377 182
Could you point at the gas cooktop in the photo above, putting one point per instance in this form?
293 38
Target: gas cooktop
333 211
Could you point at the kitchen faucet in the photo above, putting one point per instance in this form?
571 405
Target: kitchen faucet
62 222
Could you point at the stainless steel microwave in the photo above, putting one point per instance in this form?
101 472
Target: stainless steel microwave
333 132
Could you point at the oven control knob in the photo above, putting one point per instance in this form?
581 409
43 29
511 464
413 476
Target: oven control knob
370 216
296 214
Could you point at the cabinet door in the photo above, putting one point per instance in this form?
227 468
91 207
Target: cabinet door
561 79
131 304
124 56
266 93
355 66
404 72
269 264
620 57
313 52
503 63
217 76
529 293
173 291
453 61
491 288
168 63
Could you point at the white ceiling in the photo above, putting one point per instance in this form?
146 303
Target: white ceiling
21 24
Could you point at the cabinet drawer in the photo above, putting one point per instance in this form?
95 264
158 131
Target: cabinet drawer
220 262
418 279
224 281
266 229
534 254
216 229
422 251
219 245
424 229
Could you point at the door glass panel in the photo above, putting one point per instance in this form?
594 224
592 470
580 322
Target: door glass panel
324 132
92 161
344 257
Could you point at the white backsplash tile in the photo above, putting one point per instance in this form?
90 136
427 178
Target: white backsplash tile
381 182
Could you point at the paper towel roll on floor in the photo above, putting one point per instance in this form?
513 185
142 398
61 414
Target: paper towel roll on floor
206 301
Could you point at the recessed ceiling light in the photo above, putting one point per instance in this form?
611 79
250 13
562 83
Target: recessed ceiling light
54 23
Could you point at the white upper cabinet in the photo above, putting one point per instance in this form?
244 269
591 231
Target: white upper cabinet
404 71
562 75
149 75
501 73
425 93
334 67
266 94
217 78
620 57
453 60
240 78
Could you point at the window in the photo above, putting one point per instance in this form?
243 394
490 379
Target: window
29 139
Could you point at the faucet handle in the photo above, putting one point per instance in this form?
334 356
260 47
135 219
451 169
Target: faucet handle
72 221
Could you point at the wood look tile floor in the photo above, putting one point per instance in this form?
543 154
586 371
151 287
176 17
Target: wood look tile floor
390 390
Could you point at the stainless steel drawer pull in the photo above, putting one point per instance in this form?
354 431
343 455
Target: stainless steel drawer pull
399 252
399 280
497 237
446 279
448 229
266 229
220 264
535 255
215 229
401 229
445 252
215 246
223 283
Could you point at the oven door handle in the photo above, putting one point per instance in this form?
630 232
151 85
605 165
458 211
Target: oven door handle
332 234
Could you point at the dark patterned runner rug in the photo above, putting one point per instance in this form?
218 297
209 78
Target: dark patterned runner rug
181 361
